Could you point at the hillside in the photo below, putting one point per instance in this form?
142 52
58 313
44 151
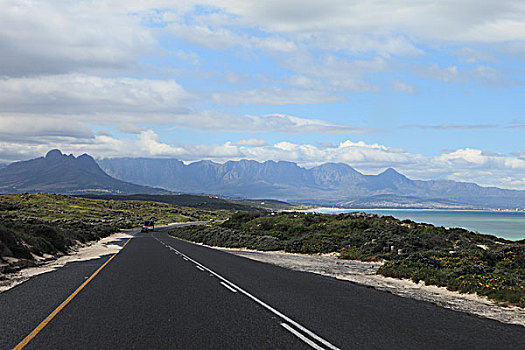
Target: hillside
202 202
66 174
327 184
34 225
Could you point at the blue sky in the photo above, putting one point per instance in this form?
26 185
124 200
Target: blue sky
434 89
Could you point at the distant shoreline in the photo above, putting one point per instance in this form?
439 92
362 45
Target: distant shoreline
503 224
315 209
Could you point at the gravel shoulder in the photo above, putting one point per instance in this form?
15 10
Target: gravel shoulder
365 273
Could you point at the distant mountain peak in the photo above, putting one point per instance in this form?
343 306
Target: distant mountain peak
54 153
60 173
204 161
338 166
324 184
391 172
86 157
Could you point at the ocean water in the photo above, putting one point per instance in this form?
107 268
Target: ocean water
508 225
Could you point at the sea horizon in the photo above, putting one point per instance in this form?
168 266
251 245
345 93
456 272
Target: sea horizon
504 224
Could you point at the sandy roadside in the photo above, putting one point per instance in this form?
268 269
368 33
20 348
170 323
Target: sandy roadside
365 273
328 265
94 250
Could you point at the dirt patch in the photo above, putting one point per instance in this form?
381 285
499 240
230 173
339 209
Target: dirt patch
365 273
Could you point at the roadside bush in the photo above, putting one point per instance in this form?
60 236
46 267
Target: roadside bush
224 237
20 238
466 272
49 234
294 245
320 243
10 245
451 258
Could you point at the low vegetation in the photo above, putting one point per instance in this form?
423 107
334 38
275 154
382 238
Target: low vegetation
49 224
200 202
454 258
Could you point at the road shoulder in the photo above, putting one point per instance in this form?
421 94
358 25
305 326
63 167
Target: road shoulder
364 273
93 250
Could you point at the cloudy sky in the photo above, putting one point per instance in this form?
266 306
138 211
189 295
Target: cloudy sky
435 89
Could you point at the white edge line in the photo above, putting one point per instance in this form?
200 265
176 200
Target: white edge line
228 286
262 303
302 337
268 307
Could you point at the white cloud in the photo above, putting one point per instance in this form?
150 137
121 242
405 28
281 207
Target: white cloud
446 74
303 82
149 142
398 85
69 64
359 154
452 126
480 75
362 29
62 36
274 96
496 30
356 43
471 55
129 128
213 38
188 56
483 168
250 143
468 20
336 73
221 38
474 158
80 93
488 76
227 122
471 165
126 102
14 127
104 133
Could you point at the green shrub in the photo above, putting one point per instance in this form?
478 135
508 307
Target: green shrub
420 252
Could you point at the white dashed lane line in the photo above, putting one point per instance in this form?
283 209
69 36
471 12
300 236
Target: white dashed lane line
301 332
302 337
228 287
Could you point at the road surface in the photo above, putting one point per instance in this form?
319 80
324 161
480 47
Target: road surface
159 292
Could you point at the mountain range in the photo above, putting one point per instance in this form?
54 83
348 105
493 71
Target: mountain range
66 174
330 183
327 184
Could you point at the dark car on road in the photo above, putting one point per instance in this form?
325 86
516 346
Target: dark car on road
149 225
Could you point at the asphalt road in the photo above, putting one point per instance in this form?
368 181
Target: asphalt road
164 293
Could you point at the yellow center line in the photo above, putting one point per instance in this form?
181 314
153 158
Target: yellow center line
48 319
